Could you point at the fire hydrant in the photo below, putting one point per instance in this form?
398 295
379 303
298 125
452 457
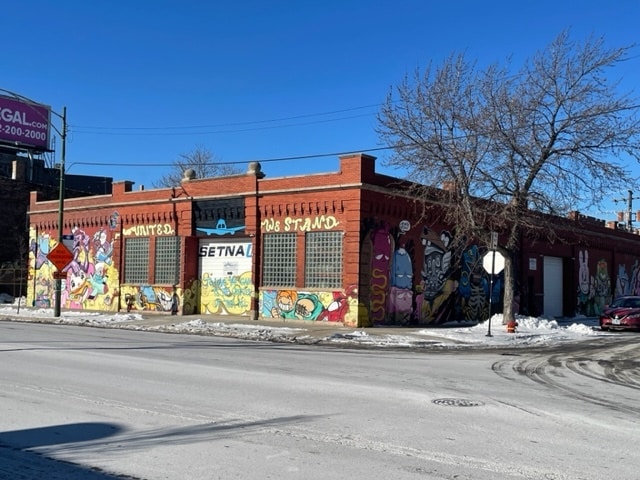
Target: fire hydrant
511 326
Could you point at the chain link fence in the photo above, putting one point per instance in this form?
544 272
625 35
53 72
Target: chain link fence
13 280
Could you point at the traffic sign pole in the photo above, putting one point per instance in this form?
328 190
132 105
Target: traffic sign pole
493 268
493 246
60 256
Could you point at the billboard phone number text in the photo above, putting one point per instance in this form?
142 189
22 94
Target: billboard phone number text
23 132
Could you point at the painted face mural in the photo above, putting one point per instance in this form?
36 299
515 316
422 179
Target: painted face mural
325 306
102 247
602 286
336 310
402 269
285 304
583 273
150 298
437 262
77 288
401 304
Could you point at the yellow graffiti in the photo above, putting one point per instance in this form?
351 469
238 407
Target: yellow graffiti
157 229
302 224
378 294
227 295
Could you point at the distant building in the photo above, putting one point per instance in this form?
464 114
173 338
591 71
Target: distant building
19 175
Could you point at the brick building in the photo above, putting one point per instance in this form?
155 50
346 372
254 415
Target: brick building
345 246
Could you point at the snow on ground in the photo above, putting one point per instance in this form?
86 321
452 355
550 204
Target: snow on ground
530 331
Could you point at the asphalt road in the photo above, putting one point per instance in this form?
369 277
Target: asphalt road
105 403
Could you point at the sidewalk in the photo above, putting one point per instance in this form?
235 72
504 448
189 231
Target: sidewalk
300 328
531 331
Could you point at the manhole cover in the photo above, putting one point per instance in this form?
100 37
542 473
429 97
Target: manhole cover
457 402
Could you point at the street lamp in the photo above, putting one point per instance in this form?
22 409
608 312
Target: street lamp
63 137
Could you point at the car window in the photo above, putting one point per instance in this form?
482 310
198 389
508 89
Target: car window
626 303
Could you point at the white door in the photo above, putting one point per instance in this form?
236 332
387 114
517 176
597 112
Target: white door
225 276
552 271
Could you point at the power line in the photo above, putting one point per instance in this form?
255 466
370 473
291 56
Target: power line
321 155
240 162
235 124
271 127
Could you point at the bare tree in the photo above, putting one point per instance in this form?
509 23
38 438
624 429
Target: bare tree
514 147
203 163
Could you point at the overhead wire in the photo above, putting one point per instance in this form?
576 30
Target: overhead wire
162 130
276 159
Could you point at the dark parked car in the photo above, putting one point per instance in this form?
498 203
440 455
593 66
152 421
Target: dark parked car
622 314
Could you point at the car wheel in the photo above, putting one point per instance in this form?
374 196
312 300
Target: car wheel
604 329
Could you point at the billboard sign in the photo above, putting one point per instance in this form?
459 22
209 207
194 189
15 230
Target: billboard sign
24 124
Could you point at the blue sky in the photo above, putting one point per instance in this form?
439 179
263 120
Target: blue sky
144 81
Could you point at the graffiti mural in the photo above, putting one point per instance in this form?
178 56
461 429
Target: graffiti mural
91 281
326 306
381 254
586 290
438 285
634 284
602 286
400 304
150 298
228 295
623 284
594 291
191 297
41 286
439 280
474 286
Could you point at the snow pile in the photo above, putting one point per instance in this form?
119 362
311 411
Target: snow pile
530 331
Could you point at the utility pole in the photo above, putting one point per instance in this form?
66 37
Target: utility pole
629 201
63 135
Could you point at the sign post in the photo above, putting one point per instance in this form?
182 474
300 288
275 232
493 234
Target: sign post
493 262
60 256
